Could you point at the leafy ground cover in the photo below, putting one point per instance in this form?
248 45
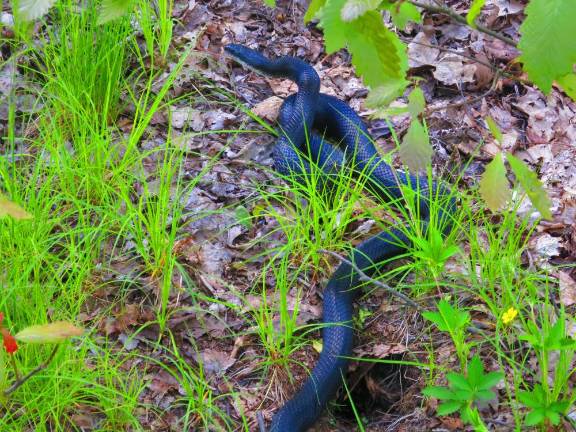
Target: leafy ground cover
157 224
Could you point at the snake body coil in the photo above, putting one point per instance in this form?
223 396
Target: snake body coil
306 111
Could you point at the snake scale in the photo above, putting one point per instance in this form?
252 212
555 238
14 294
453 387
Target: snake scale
305 118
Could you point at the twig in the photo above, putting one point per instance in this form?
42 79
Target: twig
365 278
25 378
462 20
458 53
466 101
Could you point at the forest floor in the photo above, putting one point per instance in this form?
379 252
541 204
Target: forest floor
201 265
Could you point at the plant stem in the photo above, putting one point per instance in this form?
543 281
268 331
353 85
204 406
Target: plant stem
25 378
462 20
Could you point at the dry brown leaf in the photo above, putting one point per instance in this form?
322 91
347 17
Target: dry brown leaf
567 288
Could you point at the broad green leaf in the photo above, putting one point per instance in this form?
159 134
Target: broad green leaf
416 102
547 41
356 8
490 380
375 49
532 185
313 8
553 416
494 129
438 392
32 9
494 187
458 381
384 94
475 9
335 30
568 84
448 407
113 9
485 395
475 371
270 3
534 417
374 53
402 12
8 208
49 333
415 151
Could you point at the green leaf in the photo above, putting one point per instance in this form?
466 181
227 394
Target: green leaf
313 8
494 187
530 399
415 151
356 8
475 9
402 12
458 381
490 380
448 407
494 129
547 42
553 416
270 3
534 417
485 395
243 216
335 30
532 185
9 208
375 49
384 94
113 9
32 9
475 371
438 392
568 84
416 102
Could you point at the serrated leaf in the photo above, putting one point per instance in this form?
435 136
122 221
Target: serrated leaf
113 9
475 9
438 392
494 187
448 407
402 12
373 50
335 30
33 9
313 8
415 151
532 185
458 381
534 417
485 395
494 129
475 371
416 102
384 94
547 42
568 84
9 208
490 380
49 333
356 8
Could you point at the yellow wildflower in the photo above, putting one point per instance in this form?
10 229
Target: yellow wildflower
509 315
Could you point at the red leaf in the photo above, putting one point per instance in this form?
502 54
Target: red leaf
10 344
